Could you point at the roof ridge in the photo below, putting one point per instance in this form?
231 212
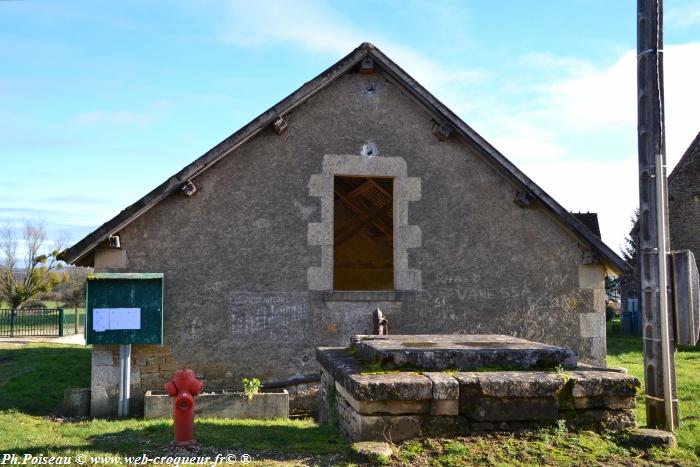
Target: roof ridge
301 95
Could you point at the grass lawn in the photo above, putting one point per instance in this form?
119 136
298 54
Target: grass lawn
275 440
33 376
624 351
32 379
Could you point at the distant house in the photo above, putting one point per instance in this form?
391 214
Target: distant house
590 220
684 225
358 191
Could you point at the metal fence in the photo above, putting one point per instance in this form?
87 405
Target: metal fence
73 320
31 322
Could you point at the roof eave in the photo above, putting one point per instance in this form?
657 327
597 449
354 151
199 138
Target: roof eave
85 246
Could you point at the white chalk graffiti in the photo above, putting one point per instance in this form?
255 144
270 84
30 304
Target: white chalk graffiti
267 314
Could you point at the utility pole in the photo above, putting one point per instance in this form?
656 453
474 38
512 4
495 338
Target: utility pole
659 343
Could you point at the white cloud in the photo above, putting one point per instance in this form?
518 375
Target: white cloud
606 187
516 136
597 98
145 118
317 29
572 128
321 29
605 99
552 63
98 117
683 16
591 106
682 97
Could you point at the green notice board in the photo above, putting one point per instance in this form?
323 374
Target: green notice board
124 308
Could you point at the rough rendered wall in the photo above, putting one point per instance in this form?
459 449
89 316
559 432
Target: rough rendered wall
684 204
246 258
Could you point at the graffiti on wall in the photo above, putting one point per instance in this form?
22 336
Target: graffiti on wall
266 315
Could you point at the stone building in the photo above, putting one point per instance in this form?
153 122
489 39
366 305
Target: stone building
684 226
684 201
358 191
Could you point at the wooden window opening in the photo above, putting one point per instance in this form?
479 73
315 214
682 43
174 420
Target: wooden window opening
363 236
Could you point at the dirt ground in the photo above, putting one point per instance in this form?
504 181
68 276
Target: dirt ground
70 339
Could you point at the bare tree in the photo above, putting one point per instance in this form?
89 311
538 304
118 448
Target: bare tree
21 283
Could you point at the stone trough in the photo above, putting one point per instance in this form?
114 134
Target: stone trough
222 403
398 387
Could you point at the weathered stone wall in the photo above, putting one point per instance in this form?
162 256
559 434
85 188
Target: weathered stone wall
151 367
247 258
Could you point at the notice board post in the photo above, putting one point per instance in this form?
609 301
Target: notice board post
124 309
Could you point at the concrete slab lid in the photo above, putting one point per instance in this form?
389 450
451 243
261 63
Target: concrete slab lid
460 351
457 342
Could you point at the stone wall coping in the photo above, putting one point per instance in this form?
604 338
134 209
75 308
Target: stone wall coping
347 370
338 362
590 383
510 383
389 386
445 386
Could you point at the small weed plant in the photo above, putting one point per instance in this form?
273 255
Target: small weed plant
251 387
560 430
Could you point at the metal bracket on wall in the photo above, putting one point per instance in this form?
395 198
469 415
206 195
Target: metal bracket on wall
380 323
280 125
188 188
589 257
367 66
523 199
114 242
442 130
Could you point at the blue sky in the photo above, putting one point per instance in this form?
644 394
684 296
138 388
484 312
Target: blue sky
102 101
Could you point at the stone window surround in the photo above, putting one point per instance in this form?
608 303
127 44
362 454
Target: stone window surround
406 189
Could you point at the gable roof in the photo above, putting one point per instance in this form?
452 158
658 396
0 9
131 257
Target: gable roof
79 253
692 151
590 220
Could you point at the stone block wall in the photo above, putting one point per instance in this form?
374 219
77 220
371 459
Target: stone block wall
151 367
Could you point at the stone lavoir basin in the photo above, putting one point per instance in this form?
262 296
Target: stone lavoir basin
464 352
392 388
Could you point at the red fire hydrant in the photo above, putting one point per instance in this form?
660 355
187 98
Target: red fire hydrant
184 387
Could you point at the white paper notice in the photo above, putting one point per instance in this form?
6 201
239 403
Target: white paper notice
125 318
100 319
104 319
